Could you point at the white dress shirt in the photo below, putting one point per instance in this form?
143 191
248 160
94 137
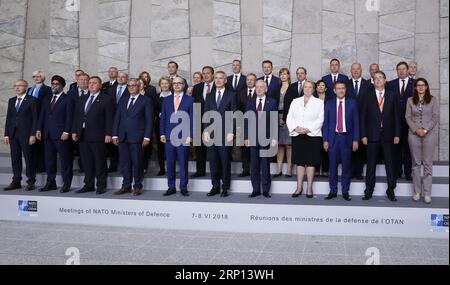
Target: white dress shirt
263 102
57 97
310 116
270 78
400 83
85 92
222 91
344 129
237 80
205 88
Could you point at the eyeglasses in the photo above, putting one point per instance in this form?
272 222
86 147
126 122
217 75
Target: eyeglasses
56 84
36 76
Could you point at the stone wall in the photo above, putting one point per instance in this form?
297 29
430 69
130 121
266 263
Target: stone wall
137 35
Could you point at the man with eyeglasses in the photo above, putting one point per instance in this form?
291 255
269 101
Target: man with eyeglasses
182 104
54 128
132 131
75 85
20 130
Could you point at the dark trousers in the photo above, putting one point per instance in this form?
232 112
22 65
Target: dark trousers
358 160
19 147
148 150
373 150
220 165
64 150
76 153
260 171
200 152
325 164
113 154
340 151
173 154
245 158
402 154
94 159
132 164
38 153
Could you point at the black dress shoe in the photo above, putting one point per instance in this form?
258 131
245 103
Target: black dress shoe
288 176
170 192
267 195
85 190
346 197
13 186
244 174
254 194
359 177
213 192
296 195
30 187
278 175
409 177
185 194
367 197
391 195
162 172
331 196
225 193
64 189
100 191
198 174
309 196
48 187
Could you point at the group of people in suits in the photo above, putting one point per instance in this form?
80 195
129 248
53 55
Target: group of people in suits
335 120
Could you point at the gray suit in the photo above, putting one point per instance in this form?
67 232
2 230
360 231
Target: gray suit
422 149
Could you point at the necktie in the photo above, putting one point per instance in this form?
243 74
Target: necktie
52 104
403 91
334 80
267 81
235 84
89 105
219 98
300 88
381 105
177 103
208 91
19 101
131 104
260 107
340 126
250 95
356 89
119 94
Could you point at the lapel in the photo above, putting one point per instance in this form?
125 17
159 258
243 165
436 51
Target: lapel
96 101
333 114
22 105
130 111
59 102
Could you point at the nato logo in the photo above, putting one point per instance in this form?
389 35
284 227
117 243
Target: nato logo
27 206
439 220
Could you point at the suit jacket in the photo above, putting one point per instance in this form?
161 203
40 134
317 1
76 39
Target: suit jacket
73 93
228 104
23 123
98 121
168 108
291 94
197 94
274 88
242 84
53 123
351 121
242 100
44 91
329 80
113 92
372 118
269 106
428 119
394 86
136 123
107 85
73 86
365 86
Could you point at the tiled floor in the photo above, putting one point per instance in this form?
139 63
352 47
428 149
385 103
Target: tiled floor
30 243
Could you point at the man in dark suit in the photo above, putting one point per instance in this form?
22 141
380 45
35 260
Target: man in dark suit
54 128
177 144
132 131
333 77
358 88
295 90
172 68
92 127
403 88
243 98
121 91
263 108
341 137
272 82
223 101
236 82
200 94
380 132
113 72
77 94
373 69
74 85
40 91
20 130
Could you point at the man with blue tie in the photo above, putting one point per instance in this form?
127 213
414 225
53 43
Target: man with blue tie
236 82
341 137
358 88
20 131
177 136
333 77
55 127
40 91
223 102
132 131
119 92
92 127
262 107
403 88
272 82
